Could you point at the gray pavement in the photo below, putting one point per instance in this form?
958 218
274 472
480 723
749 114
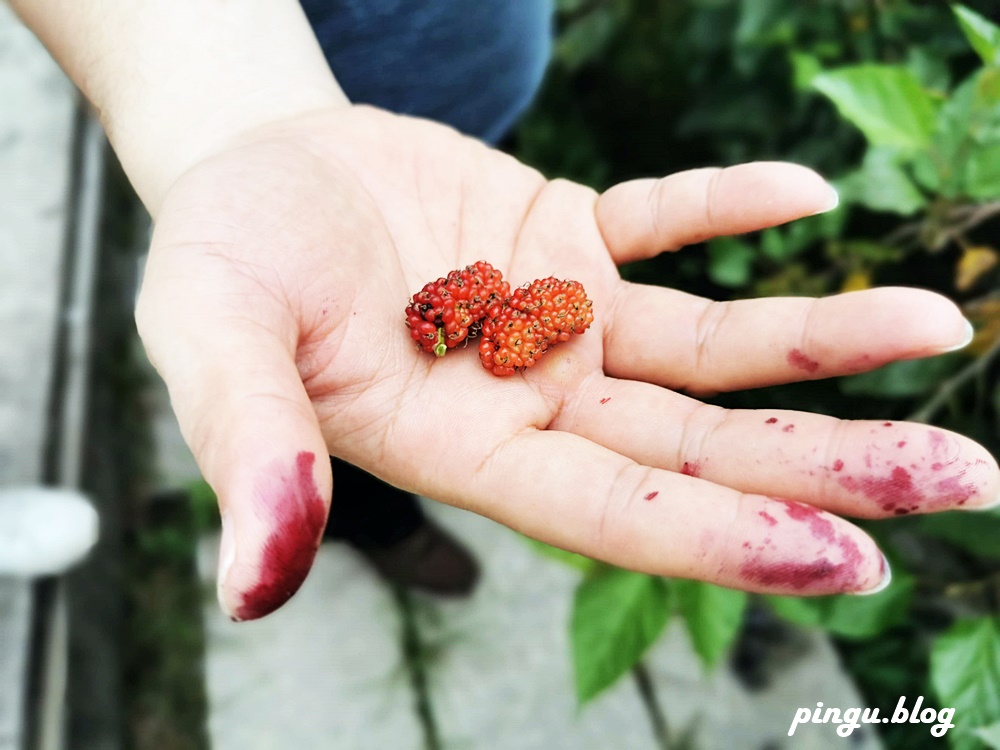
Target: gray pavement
327 671
36 134
726 715
37 106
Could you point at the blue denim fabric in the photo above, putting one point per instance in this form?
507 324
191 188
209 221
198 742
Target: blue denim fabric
473 64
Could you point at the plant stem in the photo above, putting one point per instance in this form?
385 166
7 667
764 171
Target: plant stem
413 651
946 391
656 717
959 220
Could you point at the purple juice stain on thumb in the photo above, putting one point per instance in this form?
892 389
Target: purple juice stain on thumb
290 498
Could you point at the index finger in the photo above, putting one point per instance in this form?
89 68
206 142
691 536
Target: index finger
642 218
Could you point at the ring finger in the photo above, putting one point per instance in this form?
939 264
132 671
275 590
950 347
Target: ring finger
859 468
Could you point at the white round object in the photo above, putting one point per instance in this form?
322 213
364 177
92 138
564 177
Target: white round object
44 530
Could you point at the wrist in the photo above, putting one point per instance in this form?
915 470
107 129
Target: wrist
177 80
158 139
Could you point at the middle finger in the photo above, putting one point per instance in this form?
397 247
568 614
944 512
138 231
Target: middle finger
686 342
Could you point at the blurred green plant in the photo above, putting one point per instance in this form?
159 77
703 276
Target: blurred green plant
204 506
900 103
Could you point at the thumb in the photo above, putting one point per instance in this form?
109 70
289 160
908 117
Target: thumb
245 414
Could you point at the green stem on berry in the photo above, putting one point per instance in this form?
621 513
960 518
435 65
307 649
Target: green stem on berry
440 348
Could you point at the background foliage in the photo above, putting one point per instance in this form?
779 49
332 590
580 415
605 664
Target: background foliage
899 103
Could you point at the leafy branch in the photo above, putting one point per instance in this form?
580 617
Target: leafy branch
947 391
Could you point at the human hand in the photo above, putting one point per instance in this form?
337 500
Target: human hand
273 307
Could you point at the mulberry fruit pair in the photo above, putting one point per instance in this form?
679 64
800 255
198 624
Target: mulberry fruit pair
448 311
516 328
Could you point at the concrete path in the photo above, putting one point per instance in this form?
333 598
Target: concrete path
36 138
329 671
327 668
37 106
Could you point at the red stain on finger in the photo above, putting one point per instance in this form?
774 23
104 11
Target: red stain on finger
691 469
299 516
772 420
800 361
605 399
954 490
771 520
898 490
821 573
799 575
651 495
889 492
938 441
819 525
838 465
793 574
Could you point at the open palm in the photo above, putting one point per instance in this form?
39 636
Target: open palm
273 307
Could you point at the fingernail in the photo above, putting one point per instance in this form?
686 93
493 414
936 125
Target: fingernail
966 340
832 202
883 584
227 556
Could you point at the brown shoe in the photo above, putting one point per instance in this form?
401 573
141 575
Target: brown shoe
388 527
429 559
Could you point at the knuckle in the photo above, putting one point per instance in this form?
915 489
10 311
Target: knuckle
712 318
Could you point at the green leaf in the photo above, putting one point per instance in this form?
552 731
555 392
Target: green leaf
713 616
983 35
850 617
772 244
907 379
802 233
990 735
580 562
204 505
586 38
617 615
886 102
781 244
881 184
966 136
927 173
805 68
759 21
808 613
930 68
973 110
730 262
762 23
985 125
977 533
982 173
965 673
